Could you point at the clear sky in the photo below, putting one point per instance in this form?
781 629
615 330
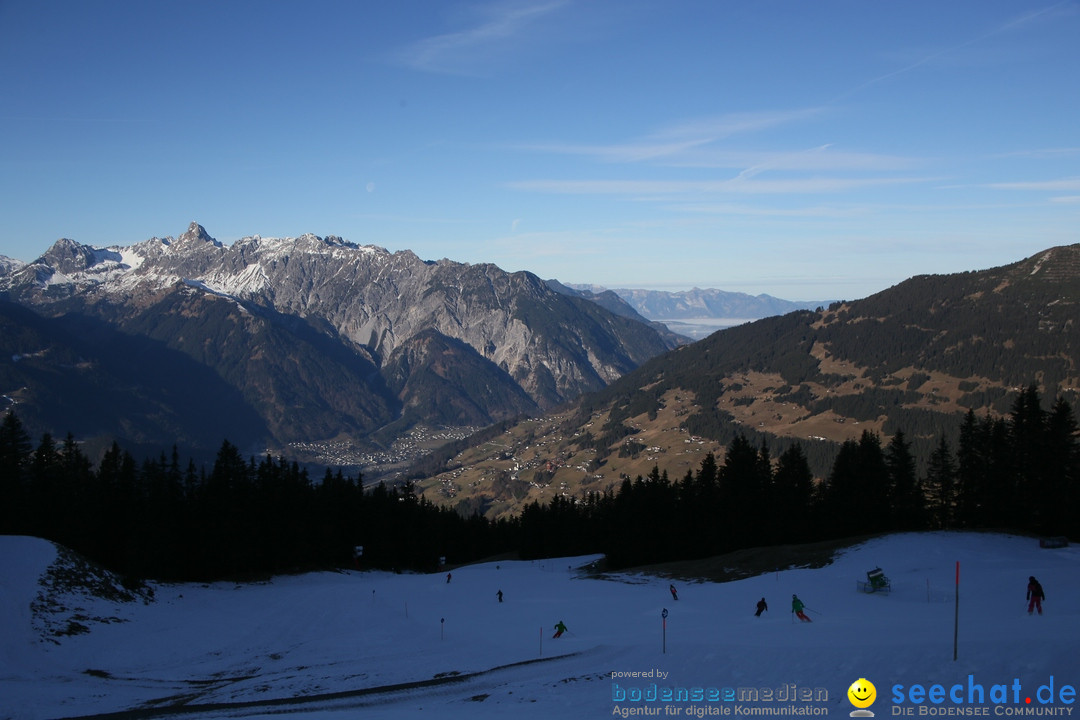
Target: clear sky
808 150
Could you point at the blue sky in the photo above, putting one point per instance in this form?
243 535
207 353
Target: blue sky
808 150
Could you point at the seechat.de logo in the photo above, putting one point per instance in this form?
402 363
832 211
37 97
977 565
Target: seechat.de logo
862 694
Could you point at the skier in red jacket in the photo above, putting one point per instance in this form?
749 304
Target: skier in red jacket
1035 595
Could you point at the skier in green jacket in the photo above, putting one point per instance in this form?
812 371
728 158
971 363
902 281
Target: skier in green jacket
559 629
797 607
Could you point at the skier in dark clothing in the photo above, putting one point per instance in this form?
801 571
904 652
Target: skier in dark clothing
674 592
762 606
560 628
1035 595
499 594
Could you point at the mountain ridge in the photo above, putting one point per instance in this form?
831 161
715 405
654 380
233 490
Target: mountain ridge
915 357
262 310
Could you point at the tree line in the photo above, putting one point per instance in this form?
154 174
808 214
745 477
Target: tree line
170 520
165 519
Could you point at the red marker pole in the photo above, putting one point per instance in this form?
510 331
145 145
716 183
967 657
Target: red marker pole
956 614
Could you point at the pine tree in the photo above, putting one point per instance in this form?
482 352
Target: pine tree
15 449
940 485
1060 505
742 495
1027 438
907 504
855 497
792 496
972 467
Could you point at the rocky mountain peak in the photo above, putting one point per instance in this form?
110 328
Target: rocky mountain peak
197 233
9 265
343 340
69 257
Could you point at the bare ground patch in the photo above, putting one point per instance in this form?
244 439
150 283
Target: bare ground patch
748 562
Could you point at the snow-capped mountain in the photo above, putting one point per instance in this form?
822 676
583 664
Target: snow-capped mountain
9 265
329 340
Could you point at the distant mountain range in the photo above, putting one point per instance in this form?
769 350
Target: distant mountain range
696 313
914 358
346 355
312 347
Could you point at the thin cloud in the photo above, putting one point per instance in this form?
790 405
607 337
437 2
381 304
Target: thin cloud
728 124
819 211
823 158
468 51
1062 185
693 187
681 141
699 143
618 153
1042 153
930 57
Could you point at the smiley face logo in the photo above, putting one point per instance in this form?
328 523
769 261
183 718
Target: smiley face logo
862 694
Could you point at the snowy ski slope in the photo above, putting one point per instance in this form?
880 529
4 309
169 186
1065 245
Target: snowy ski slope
379 645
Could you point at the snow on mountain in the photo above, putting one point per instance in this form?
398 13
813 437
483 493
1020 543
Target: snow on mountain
9 265
380 645
338 335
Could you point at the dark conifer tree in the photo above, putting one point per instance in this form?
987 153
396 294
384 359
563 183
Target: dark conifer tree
1001 479
876 479
1027 437
908 503
704 505
75 493
987 489
940 486
792 496
856 495
742 495
1060 505
15 451
973 463
47 504
659 508
841 501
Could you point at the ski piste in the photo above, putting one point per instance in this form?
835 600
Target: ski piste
345 639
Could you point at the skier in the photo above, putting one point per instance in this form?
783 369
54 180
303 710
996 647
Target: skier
499 594
1035 595
560 628
762 606
674 592
447 578
797 608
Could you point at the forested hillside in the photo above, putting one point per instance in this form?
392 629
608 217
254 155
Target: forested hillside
915 358
167 519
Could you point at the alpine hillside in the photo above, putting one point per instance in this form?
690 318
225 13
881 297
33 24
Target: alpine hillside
317 348
915 358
